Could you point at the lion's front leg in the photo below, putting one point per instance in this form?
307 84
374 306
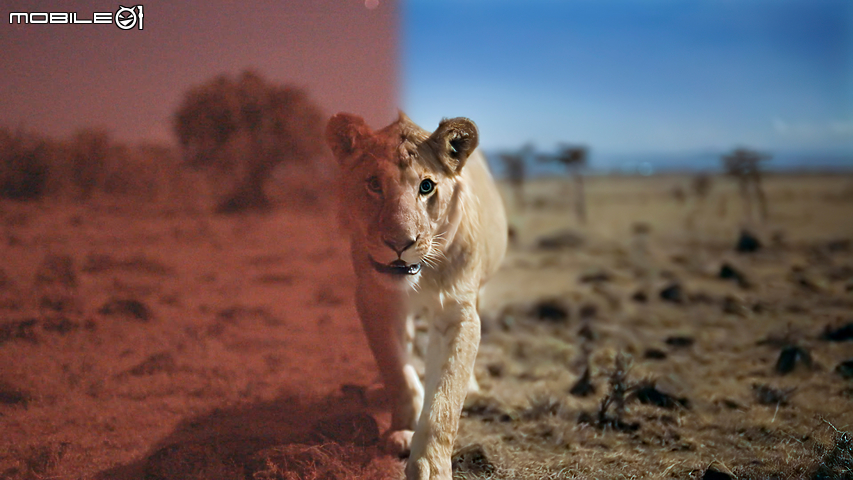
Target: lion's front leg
383 319
453 342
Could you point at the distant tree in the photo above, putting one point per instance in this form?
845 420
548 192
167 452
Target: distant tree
574 159
516 168
745 165
248 126
24 165
700 187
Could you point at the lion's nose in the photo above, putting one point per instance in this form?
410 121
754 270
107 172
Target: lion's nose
400 245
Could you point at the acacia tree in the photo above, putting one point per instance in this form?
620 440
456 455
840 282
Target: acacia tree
745 165
700 187
24 165
515 163
248 126
574 158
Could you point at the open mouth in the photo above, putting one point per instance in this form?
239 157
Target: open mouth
397 267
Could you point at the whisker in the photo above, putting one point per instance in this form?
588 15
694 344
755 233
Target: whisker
429 260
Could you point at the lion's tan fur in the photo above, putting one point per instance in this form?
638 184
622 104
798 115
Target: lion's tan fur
456 234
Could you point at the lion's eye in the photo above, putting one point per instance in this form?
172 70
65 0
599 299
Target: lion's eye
427 186
374 185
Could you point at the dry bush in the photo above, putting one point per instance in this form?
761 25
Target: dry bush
90 163
243 128
25 160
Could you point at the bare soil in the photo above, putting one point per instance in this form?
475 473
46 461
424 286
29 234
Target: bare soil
156 342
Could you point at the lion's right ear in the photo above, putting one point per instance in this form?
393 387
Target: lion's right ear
344 133
453 141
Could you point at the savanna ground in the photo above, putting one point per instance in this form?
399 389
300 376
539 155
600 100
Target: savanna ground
163 342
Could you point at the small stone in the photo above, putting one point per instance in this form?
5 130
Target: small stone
747 242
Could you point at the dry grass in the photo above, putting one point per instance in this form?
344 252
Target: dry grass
167 343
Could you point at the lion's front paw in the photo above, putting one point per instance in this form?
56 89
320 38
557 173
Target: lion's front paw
399 443
423 469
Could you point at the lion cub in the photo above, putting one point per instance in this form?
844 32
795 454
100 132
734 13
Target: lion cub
427 228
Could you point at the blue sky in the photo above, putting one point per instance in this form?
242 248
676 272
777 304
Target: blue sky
627 76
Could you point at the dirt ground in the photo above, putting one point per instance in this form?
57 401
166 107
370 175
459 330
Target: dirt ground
163 342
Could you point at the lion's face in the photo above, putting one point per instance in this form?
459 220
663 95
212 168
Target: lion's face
400 192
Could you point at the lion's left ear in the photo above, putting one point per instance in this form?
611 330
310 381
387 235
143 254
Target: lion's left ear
344 134
453 141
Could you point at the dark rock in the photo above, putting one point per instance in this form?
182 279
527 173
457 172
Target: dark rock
648 393
19 330
129 308
839 245
472 460
641 228
728 272
680 341
607 422
60 325
747 242
790 356
843 333
654 354
731 404
10 395
58 303
564 239
157 363
845 369
640 297
551 311
595 276
672 293
712 473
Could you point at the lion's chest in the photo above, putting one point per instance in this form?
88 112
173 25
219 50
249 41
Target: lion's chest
441 308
